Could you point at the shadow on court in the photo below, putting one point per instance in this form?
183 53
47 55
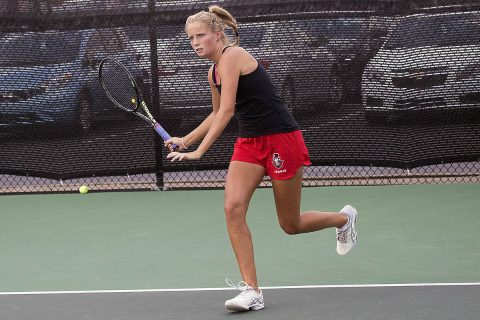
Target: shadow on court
359 303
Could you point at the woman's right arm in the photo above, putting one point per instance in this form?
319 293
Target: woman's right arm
199 132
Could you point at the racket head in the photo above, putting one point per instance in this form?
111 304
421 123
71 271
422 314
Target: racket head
119 84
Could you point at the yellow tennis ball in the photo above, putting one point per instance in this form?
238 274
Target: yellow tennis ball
134 101
83 189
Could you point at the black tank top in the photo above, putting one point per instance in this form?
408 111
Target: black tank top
258 109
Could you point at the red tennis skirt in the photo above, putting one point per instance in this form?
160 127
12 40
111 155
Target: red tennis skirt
281 154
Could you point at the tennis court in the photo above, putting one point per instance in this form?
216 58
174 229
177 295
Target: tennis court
97 222
164 255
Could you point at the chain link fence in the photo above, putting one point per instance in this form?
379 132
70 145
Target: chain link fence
385 92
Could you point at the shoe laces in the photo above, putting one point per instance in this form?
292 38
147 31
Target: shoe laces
342 236
246 292
242 285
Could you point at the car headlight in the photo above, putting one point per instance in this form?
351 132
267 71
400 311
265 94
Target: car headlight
469 72
57 81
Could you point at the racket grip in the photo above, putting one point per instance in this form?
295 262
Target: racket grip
164 134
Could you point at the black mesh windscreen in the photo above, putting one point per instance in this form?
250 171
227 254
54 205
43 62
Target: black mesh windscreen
379 89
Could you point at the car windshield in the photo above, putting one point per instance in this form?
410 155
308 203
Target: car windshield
440 31
337 28
38 48
251 36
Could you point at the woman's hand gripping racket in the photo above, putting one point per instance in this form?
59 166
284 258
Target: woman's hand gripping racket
122 89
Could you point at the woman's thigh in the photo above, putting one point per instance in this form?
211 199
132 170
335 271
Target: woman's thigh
242 180
287 194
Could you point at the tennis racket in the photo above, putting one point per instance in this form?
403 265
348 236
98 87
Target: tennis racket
122 89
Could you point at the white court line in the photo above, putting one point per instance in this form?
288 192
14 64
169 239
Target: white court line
386 285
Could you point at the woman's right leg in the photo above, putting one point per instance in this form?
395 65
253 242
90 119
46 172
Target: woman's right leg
242 180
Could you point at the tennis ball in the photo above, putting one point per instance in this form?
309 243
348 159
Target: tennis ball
83 189
134 101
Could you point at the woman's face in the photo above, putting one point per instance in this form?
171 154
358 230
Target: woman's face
202 39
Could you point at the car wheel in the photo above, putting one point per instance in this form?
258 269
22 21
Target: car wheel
335 90
288 95
85 117
375 118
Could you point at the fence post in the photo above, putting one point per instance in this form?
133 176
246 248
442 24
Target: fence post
154 93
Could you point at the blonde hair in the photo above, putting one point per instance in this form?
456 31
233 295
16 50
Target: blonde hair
217 18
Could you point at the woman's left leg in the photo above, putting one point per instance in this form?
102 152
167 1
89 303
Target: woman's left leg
287 194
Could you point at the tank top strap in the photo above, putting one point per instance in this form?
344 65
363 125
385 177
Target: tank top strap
214 71
214 74
225 49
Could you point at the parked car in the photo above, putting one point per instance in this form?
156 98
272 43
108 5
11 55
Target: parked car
303 71
302 68
51 78
429 63
352 40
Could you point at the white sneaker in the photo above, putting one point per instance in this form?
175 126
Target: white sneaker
347 236
247 299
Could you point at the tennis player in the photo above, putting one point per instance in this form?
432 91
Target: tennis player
269 143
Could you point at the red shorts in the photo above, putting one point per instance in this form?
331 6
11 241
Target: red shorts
281 154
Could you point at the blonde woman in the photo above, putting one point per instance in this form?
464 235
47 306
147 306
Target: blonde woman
269 143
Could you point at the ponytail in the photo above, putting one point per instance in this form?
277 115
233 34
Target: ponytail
227 19
217 18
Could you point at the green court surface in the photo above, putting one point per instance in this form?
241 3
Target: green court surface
178 239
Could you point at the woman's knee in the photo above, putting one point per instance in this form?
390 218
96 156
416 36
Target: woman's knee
290 227
235 210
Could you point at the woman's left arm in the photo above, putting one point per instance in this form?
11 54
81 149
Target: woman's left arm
229 69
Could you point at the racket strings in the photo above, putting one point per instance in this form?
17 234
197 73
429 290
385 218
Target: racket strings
117 82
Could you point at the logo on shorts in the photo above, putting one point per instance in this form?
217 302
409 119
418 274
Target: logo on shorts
277 161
